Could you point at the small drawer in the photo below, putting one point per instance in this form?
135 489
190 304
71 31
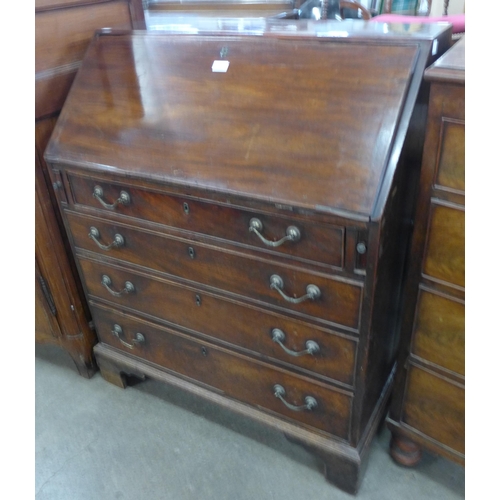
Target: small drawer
321 352
444 257
293 237
439 330
429 399
338 302
237 376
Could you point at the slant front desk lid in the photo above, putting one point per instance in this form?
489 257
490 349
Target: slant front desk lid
315 123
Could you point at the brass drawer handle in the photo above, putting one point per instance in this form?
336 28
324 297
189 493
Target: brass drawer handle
310 402
312 347
292 233
118 332
118 240
123 199
106 282
312 291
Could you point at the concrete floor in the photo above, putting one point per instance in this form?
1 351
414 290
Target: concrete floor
95 441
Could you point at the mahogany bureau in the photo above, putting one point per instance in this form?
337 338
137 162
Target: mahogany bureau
428 407
239 208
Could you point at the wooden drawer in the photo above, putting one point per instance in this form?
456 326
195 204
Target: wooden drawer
236 376
435 406
444 257
450 169
226 320
319 243
340 299
439 330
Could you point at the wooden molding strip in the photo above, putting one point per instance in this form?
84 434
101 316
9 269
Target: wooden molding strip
58 70
58 5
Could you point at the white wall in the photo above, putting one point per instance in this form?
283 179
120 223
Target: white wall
455 7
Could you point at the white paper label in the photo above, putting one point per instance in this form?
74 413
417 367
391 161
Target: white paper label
434 47
220 66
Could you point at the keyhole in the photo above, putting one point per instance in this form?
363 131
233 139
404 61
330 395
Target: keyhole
198 300
191 252
185 206
204 351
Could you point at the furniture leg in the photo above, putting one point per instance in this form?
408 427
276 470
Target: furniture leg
404 451
112 374
342 470
86 367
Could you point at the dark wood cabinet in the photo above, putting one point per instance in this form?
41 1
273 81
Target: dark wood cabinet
63 31
239 211
428 406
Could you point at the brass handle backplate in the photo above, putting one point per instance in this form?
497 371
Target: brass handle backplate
117 331
118 240
123 199
312 291
312 347
256 226
310 402
106 282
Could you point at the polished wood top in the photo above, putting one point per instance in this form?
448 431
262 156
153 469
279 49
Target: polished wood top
307 123
450 67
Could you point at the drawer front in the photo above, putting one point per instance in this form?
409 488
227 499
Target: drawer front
339 302
317 243
445 251
226 320
439 331
451 160
63 35
435 406
51 92
236 376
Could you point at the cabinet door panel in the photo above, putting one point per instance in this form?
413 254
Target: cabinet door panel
451 164
436 407
444 259
439 331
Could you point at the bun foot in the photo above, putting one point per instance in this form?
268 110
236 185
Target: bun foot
404 451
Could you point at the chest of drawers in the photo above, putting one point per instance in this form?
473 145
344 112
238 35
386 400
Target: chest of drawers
428 406
238 207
